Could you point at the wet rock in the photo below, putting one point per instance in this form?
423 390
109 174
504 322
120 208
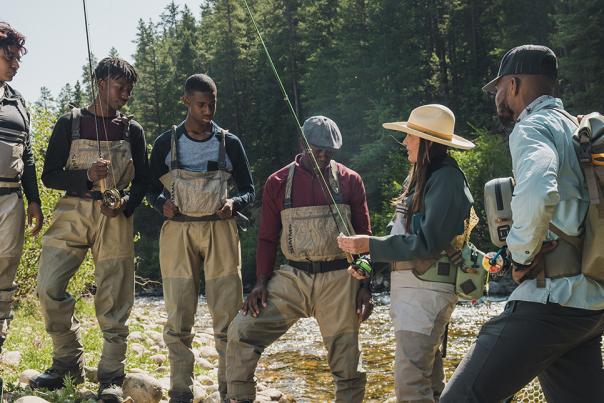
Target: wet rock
287 399
11 358
142 388
31 399
91 374
27 376
272 393
159 359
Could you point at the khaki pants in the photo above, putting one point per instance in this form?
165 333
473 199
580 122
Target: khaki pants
77 226
183 246
12 225
420 317
293 294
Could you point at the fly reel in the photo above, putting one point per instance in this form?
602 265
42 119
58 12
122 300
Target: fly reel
112 199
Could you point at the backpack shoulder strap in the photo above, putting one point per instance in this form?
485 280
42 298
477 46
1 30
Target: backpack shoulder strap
173 150
76 117
334 181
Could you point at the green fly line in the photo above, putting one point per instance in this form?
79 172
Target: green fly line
324 186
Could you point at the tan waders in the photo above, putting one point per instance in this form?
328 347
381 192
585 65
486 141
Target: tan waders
312 284
79 225
197 238
12 219
12 224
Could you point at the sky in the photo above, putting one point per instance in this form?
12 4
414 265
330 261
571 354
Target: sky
56 36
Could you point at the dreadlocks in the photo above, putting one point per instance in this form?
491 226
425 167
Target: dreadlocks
115 68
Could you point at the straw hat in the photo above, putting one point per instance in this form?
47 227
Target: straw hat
434 123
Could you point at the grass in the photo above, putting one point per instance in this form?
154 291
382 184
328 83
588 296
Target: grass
28 336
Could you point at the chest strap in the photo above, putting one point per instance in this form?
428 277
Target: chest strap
221 148
76 118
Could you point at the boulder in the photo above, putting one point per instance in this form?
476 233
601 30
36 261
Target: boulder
28 375
31 399
142 388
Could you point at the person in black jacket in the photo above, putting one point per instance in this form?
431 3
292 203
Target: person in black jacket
193 166
17 170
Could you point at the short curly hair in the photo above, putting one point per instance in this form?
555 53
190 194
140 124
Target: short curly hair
11 37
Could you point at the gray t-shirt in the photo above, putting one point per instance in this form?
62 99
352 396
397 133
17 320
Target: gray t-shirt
199 155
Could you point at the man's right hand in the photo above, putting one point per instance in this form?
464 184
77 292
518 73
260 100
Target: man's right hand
257 298
170 209
98 170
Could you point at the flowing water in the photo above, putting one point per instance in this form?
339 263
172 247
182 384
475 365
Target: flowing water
297 365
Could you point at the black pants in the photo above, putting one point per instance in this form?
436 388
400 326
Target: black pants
558 344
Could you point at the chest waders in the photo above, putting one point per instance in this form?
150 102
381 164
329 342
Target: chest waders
197 242
198 195
12 212
77 226
309 234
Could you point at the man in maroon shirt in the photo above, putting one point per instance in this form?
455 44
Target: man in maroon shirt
298 213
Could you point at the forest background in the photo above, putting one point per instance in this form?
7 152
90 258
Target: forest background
361 63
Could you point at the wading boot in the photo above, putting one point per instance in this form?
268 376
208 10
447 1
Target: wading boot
111 393
1 342
54 378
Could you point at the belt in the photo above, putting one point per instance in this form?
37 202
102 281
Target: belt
7 191
90 195
402 265
319 267
188 218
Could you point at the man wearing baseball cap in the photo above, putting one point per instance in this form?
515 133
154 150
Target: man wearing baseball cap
552 325
299 215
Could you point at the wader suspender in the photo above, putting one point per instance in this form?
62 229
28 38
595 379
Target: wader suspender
333 182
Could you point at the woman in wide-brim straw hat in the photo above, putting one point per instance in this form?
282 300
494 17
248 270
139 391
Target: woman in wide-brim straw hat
429 215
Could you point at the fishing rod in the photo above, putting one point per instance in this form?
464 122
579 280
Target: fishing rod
110 197
359 263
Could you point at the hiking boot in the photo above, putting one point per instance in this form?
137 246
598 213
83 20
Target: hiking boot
111 393
54 379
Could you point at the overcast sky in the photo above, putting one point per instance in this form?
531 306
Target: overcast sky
56 39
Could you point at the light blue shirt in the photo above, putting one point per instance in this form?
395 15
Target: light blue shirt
549 188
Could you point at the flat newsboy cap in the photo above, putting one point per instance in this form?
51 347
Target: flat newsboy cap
322 132
526 59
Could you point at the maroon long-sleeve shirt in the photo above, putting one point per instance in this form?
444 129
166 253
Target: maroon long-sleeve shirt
306 191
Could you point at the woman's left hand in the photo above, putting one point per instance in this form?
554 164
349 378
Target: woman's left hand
354 244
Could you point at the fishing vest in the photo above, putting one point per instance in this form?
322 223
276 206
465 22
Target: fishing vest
12 146
83 153
310 233
459 265
198 194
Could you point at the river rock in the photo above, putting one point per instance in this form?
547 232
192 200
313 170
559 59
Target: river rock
199 393
31 399
142 388
213 398
158 358
273 393
287 399
203 363
28 375
205 380
91 374
154 349
85 394
136 336
138 349
165 382
11 358
157 337
208 352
